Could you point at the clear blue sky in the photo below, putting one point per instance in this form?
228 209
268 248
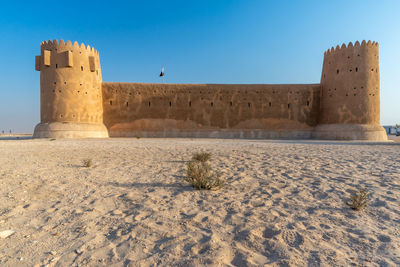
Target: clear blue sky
255 41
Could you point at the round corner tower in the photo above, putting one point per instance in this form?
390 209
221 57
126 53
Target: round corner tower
350 103
70 91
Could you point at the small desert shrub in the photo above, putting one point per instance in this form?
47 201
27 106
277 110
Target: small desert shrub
358 200
137 137
52 139
87 163
201 156
200 175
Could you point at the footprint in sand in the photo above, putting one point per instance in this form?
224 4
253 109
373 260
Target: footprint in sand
142 216
270 232
384 238
292 238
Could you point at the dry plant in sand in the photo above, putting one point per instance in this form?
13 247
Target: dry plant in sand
358 200
199 173
201 156
87 163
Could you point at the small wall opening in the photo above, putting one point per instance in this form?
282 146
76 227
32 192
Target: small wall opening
308 103
170 104
337 71
56 66
249 104
230 103
81 68
110 102
288 106
127 104
212 104
149 103
356 69
270 104
190 103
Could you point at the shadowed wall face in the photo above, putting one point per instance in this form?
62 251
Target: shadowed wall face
350 85
133 107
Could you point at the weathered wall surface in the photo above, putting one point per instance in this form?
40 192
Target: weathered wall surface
134 108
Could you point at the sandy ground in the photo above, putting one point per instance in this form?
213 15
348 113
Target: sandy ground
394 138
282 205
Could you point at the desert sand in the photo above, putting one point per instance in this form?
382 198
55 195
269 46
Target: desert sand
282 204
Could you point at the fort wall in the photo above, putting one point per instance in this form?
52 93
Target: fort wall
76 103
211 110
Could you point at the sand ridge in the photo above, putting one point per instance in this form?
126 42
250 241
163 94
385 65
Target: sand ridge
282 203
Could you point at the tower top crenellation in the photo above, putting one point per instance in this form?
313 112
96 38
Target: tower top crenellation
61 45
350 45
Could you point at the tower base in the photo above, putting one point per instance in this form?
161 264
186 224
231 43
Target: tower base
70 130
350 132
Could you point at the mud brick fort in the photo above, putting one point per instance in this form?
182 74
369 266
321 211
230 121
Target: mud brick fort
76 103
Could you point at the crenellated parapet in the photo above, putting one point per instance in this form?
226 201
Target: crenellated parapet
55 44
344 47
56 54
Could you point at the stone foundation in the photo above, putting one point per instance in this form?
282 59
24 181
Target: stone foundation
223 134
70 130
350 132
